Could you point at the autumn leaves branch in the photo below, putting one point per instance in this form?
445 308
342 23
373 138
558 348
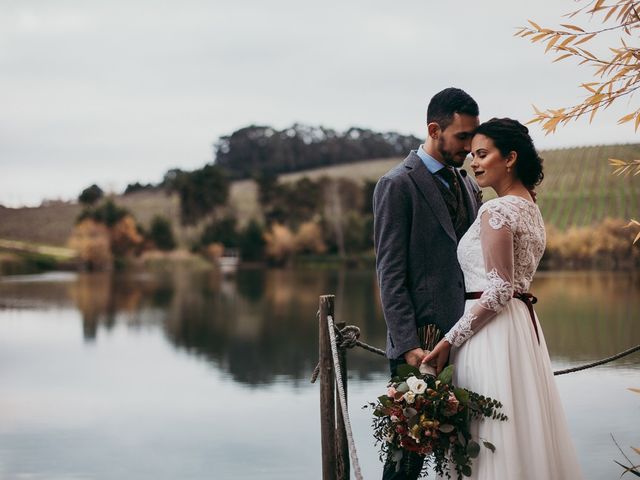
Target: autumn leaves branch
618 74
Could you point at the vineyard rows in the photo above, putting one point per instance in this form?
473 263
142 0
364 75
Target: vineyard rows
579 188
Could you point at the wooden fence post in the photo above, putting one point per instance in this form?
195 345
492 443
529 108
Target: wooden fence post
327 389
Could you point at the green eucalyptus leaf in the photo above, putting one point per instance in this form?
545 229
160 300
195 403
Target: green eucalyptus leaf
402 388
458 458
446 428
396 456
473 449
462 395
384 400
405 370
410 412
489 445
466 470
446 375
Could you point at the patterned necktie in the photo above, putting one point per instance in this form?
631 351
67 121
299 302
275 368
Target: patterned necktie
454 200
452 180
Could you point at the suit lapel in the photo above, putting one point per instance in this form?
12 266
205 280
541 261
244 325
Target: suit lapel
426 185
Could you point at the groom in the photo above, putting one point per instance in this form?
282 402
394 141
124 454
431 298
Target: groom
422 207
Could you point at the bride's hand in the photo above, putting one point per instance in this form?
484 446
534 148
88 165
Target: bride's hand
439 354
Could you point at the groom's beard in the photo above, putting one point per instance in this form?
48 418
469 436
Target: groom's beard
452 159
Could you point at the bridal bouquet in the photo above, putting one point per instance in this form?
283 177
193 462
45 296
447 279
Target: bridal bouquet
428 415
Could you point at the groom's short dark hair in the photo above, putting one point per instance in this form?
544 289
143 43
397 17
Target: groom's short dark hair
447 102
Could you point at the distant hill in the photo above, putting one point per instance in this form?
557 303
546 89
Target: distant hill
260 149
578 189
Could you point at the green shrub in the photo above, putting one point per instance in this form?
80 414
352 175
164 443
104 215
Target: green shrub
161 233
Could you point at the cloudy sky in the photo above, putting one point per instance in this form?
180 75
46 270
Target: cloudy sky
113 92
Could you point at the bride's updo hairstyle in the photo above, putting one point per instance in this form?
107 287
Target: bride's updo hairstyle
509 135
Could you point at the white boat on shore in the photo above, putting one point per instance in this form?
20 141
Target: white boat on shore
229 261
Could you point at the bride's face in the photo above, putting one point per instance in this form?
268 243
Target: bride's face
489 165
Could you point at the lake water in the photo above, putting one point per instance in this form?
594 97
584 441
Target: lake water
192 376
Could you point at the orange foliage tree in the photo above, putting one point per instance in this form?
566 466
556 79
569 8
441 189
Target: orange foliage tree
104 234
616 75
92 241
125 238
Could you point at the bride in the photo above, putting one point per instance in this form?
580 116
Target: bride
498 346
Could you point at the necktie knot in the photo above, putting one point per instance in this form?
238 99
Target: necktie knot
449 176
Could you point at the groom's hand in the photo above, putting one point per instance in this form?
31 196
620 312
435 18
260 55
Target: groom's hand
414 357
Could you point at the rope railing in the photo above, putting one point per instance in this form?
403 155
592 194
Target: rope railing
599 362
348 336
334 341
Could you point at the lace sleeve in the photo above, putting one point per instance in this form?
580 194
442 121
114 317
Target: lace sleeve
496 238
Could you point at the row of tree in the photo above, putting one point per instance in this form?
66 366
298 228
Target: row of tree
255 150
200 191
262 153
304 217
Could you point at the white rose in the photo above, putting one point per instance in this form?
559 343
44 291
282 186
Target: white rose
416 385
409 397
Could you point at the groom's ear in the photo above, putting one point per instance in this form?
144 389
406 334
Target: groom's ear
433 130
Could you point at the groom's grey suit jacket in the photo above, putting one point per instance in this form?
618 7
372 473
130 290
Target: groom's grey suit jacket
418 272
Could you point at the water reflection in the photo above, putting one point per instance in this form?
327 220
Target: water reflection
589 315
137 367
261 325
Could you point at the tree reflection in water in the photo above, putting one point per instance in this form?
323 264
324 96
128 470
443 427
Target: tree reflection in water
261 325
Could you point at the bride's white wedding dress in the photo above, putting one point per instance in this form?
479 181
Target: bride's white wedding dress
497 352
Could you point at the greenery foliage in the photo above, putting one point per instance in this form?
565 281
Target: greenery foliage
104 234
200 191
252 242
289 203
107 212
139 187
221 231
91 195
161 233
255 149
315 216
428 415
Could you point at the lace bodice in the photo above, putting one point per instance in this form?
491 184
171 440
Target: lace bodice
499 255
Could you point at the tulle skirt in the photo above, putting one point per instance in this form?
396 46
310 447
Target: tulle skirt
504 361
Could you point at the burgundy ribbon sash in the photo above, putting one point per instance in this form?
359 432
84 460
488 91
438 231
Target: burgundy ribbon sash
527 298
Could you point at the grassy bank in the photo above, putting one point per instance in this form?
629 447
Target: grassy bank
12 263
